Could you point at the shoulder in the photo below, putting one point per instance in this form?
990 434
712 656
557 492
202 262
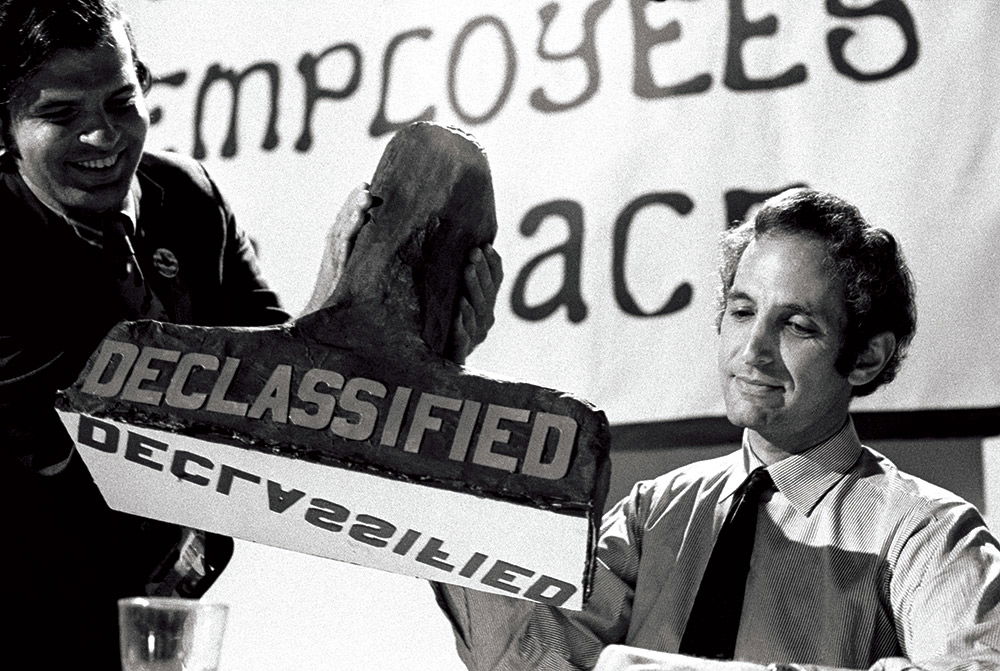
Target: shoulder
697 474
170 170
683 487
178 193
918 515
936 541
172 164
902 490
26 235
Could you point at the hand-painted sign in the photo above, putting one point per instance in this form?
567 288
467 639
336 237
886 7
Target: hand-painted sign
346 433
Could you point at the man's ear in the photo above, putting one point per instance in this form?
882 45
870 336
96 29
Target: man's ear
872 358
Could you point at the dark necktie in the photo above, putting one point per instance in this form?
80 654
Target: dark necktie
136 297
714 621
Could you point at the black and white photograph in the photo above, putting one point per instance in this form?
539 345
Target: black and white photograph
533 335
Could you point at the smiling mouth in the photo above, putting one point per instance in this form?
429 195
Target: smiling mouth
99 163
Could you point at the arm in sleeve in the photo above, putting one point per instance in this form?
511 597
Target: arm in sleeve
947 600
246 298
495 632
31 369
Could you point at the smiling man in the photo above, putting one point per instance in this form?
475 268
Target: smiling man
79 125
95 230
803 546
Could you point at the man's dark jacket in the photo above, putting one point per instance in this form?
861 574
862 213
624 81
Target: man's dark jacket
67 557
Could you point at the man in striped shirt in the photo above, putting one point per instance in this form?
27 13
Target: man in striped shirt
854 563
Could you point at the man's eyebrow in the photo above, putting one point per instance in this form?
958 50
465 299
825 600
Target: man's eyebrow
801 309
737 295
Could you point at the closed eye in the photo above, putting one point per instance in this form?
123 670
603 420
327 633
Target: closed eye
801 329
59 115
740 311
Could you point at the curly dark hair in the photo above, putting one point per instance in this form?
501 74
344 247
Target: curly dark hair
878 287
31 31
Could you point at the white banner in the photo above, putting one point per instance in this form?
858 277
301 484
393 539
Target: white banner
623 136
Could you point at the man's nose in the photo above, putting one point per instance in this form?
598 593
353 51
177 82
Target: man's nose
100 131
760 346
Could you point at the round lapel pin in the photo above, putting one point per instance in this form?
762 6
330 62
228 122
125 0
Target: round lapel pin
165 262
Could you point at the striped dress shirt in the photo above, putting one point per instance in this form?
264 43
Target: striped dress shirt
855 564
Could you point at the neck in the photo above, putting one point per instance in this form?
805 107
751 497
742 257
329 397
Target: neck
772 449
128 205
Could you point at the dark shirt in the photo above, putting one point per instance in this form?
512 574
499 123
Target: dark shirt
66 549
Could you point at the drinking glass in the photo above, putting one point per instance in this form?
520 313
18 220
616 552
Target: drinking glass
170 634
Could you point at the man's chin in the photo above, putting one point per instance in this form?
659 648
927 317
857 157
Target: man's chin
749 417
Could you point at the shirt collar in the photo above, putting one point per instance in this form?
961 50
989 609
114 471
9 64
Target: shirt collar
803 478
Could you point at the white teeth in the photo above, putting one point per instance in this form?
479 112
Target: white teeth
101 162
